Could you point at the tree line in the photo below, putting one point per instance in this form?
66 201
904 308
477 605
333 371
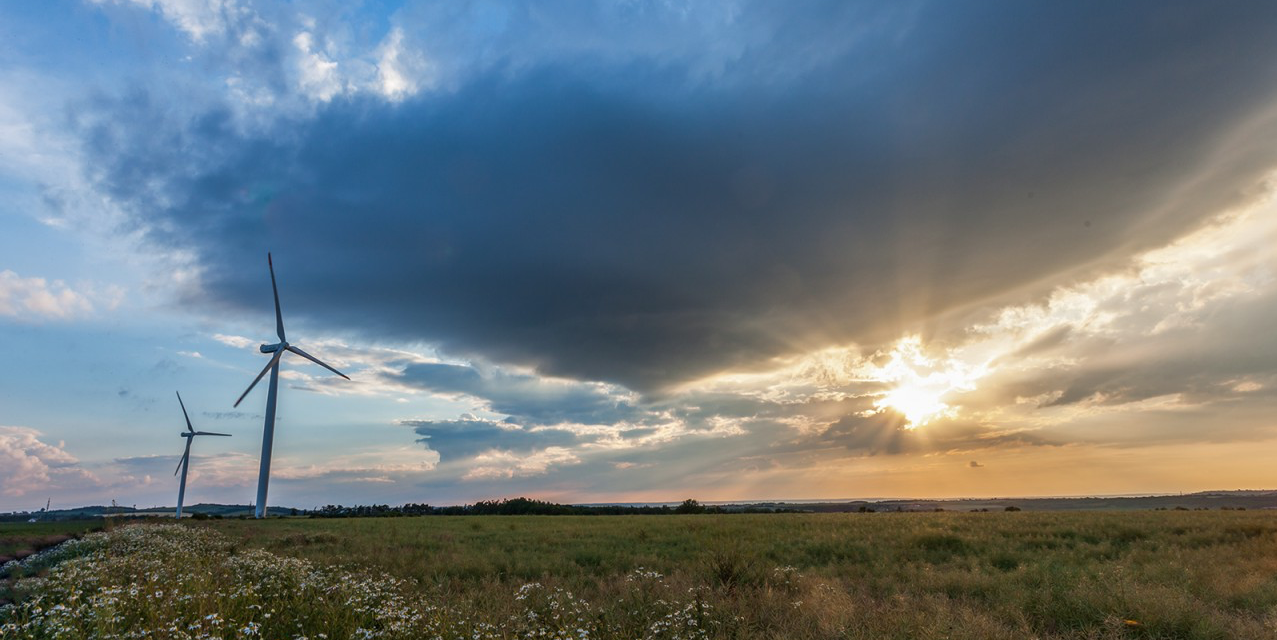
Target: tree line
521 507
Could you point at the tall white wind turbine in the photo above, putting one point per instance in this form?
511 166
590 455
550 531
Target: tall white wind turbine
185 462
268 434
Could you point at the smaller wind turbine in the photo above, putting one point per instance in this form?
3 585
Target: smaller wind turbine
185 462
42 514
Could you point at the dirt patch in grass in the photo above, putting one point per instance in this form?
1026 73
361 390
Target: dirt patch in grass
24 547
21 539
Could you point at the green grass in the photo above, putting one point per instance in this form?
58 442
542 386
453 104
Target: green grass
1076 574
1166 574
19 539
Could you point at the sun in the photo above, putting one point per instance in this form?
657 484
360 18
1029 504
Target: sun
918 383
918 402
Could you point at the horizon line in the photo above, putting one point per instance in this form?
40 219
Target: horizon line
746 502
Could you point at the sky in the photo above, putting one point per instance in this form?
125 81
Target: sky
638 251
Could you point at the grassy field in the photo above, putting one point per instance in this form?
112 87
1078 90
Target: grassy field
1165 574
19 539
1172 574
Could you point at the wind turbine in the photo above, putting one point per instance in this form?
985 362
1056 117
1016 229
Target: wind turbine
268 434
185 462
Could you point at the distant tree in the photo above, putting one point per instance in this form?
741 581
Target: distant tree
1013 508
689 506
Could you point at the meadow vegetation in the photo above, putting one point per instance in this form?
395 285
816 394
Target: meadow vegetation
1165 574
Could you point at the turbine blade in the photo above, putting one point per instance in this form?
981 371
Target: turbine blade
185 456
279 316
210 433
274 359
315 360
188 418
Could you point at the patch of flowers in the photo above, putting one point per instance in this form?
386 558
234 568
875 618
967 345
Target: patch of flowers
786 578
691 620
640 574
556 614
181 582
171 581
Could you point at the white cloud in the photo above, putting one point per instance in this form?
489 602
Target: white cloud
28 465
622 466
401 71
495 465
239 342
200 19
319 78
393 69
32 299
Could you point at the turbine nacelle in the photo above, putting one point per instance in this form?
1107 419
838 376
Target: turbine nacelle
272 348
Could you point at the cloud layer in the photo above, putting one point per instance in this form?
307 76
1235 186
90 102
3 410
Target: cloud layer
633 218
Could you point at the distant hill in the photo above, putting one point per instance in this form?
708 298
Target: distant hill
1256 499
100 511
1224 499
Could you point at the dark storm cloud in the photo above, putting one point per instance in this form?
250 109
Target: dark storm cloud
883 433
635 221
531 400
464 438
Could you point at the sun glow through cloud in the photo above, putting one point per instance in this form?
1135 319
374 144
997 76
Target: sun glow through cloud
1041 365
919 383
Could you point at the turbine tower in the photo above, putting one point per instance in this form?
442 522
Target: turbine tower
268 434
185 462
